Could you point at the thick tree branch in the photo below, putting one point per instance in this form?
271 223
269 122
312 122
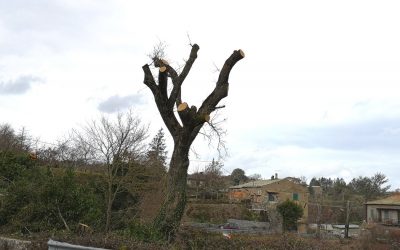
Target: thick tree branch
185 114
195 132
221 89
218 107
167 114
175 95
189 116
172 74
189 62
149 79
165 71
163 81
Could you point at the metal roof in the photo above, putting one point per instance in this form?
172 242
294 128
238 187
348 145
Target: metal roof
391 200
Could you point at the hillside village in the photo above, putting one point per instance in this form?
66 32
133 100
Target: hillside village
53 193
320 204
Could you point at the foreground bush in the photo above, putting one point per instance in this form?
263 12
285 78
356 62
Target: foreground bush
192 239
37 200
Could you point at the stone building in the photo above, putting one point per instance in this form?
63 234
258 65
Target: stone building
384 211
264 195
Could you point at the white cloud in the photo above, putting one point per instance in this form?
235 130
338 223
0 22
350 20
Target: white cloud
19 86
316 93
117 103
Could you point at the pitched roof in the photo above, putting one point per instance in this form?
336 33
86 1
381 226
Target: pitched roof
259 183
197 176
391 200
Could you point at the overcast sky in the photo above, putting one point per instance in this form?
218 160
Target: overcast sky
317 94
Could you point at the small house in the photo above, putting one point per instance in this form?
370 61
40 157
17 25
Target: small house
384 211
266 194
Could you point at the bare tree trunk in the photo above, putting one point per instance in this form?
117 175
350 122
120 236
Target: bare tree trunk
171 212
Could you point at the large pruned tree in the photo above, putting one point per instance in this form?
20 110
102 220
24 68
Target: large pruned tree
184 132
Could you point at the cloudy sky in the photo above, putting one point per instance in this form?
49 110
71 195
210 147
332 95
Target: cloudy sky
316 95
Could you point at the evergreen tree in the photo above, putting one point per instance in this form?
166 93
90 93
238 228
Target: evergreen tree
370 188
157 154
314 182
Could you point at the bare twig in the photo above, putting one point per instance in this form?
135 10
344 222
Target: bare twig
62 218
158 51
216 68
190 41
214 133
8 180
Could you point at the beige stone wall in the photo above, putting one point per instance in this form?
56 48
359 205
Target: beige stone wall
8 243
285 190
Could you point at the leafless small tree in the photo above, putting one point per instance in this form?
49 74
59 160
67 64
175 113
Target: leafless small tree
213 175
184 132
115 145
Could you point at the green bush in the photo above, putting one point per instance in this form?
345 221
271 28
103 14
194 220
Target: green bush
144 232
38 200
251 215
290 212
13 165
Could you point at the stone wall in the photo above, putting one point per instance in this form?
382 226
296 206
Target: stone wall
14 244
246 224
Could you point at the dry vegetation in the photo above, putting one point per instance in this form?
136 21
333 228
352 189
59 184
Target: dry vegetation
214 213
194 239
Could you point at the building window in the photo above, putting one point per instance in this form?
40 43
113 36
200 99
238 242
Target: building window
295 196
271 197
385 216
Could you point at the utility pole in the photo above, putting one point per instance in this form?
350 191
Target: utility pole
318 220
319 214
346 229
